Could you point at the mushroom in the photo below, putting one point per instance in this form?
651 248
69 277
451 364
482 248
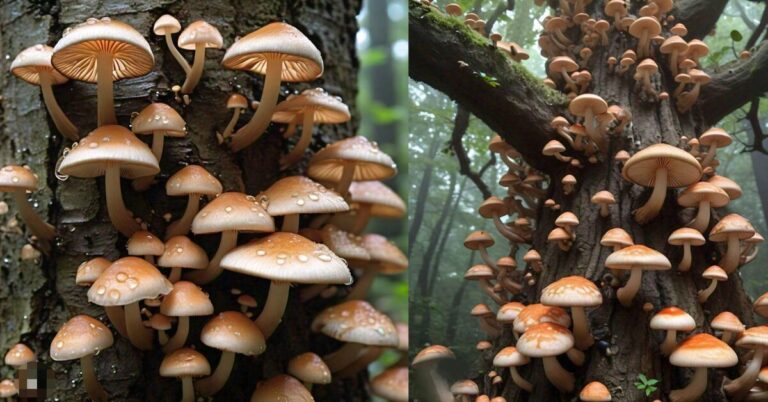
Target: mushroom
568 221
569 182
18 357
181 252
507 265
194 182
730 229
161 121
454 9
146 245
686 237
238 103
578 293
660 166
644 28
494 208
696 50
636 258
185 364
310 369
564 65
755 338
280 387
561 126
391 384
372 199
18 181
672 320
674 46
354 158
729 324
686 99
604 199
82 337
555 148
125 283
166 26
595 392
425 365
705 196
280 52
511 358
487 320
103 51
90 270
750 250
285 258
480 240
313 106
617 238
729 186
464 390
160 323
547 341
537 313
713 138
112 151
232 333
33 65
295 195
184 301
385 258
228 214
714 274
508 312
679 29
556 27
589 106
513 50
198 36
8 390
643 73
760 306
560 236
700 351
618 10
533 258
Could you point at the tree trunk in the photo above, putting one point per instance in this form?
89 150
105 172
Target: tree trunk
435 269
36 297
420 203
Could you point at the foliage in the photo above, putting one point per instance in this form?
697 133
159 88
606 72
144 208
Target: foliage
646 384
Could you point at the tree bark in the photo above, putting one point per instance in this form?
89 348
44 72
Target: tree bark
36 297
420 203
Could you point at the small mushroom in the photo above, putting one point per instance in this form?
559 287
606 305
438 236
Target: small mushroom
588 106
674 46
310 369
184 301
464 390
185 364
145 245
198 36
700 352
704 196
643 73
617 9
547 341
194 182
686 237
293 196
713 138
714 274
731 229
595 392
563 66
604 199
533 258
756 339
280 387
481 240
644 28
8 389
561 237
729 324
672 320
18 181
494 208
166 26
238 103
635 258
578 293
426 364
555 148
569 182
511 358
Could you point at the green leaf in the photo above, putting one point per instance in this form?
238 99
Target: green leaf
649 391
736 36
642 377
652 381
373 56
639 385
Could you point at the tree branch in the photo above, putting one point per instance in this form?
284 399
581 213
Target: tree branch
699 16
460 125
456 61
744 17
759 30
758 137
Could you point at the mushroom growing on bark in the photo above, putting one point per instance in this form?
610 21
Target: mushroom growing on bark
280 387
145 245
578 293
686 237
310 369
511 358
604 199
369 199
729 324
700 351
18 181
198 36
292 196
494 208
730 230
672 320
644 28
184 301
166 26
194 182
185 364
238 103
714 274
713 138
595 392
547 341
480 241
425 365
704 196
755 338
637 259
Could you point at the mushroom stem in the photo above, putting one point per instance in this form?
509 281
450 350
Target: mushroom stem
739 387
175 52
519 380
306 137
505 230
557 375
105 92
701 221
685 263
118 214
92 386
604 211
291 129
274 308
116 316
361 218
193 76
178 339
487 288
43 230
489 329
343 357
162 337
60 120
362 285
628 292
226 244
251 132
654 204
583 338
369 355
589 123
670 342
509 162
231 126
140 336
211 385
291 223
182 226
187 389
576 356
158 140
712 151
342 187
568 81
673 63
730 260
311 291
487 258
642 45
728 336
695 388
705 293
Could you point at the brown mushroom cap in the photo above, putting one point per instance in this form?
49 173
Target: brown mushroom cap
492 206
383 201
192 179
682 168
187 300
729 186
144 243
533 314
237 101
481 310
716 273
567 218
79 337
309 367
166 24
603 197
754 337
478 239
715 137
727 321
638 256
674 44
8 388
388 258
17 178
508 312
29 63
200 32
560 63
595 392
325 108
159 117
479 271
432 353
648 66
571 291
580 104
616 237
182 252
232 211
465 387
673 318
90 270
128 280
545 340
391 384
731 224
184 362
370 162
686 235
233 331
356 321
645 24
300 195
697 49
19 355
281 387
344 244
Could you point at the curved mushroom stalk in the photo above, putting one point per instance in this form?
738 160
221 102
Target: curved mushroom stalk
685 262
290 131
175 52
583 338
652 207
105 91
138 334
60 120
274 308
489 329
180 337
709 157
506 231
116 316
194 75
701 222
226 244
670 342
231 126
43 230
739 387
561 378
212 385
630 289
118 213
182 226
694 390
251 132
519 380
703 295
91 382
487 258
730 260
343 357
306 137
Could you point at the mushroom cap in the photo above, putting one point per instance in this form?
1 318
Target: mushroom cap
17 178
160 322
200 32
510 357
478 239
558 234
648 66
703 191
674 44
560 63
301 60
388 258
614 7
756 238
715 137
76 52
497 145
679 29
572 291
569 179
33 61
348 246
79 337
531 256
683 78
144 243
370 163
465 387
479 271
731 224
159 118
281 387
697 49
166 24
431 354
682 168
288 257
356 321
300 195
595 392
508 312
638 256
686 235
555 23
128 280
481 310
553 147
649 25
19 355
233 331
567 218
193 179
703 350
545 340
580 104
383 201
533 314
8 388
186 300
182 252
391 384
110 144
492 206
309 367
687 64
185 362
716 273
603 197
325 108
754 338
237 101
90 270
616 237
232 211
507 262
729 186
673 318
483 345
727 321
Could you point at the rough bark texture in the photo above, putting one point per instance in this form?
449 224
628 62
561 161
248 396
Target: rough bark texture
36 297
520 111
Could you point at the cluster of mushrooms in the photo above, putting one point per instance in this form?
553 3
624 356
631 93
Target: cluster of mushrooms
320 242
546 329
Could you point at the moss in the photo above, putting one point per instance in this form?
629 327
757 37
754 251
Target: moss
550 96
465 33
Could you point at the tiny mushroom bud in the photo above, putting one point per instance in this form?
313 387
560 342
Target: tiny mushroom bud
686 237
672 320
604 199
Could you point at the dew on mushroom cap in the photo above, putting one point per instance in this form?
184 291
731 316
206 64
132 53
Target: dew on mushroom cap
295 195
391 384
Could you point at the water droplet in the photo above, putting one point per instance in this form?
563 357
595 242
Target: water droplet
121 277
